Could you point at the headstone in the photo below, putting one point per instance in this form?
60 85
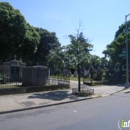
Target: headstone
66 72
85 72
75 73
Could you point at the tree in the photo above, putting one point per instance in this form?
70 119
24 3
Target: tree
73 55
56 58
17 37
78 51
95 61
48 41
121 29
28 47
118 45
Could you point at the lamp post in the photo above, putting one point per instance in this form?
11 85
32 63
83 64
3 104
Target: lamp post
78 69
127 60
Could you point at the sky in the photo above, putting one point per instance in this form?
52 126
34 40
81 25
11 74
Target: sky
99 19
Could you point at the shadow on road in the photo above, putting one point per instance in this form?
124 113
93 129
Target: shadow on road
56 96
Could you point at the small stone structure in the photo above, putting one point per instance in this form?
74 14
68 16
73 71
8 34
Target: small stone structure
12 70
34 76
75 73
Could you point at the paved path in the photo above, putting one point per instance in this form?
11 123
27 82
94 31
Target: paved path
16 102
100 89
32 100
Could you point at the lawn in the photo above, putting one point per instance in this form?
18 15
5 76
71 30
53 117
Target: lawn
9 86
72 78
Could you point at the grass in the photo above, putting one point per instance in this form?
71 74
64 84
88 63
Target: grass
84 94
60 77
72 78
9 86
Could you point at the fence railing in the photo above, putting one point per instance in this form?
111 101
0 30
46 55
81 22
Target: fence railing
12 78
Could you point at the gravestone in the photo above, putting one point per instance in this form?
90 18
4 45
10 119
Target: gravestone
66 72
75 73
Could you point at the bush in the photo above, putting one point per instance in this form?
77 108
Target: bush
82 93
92 84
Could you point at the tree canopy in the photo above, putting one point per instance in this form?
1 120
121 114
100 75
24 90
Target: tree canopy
117 46
48 41
71 55
33 44
16 34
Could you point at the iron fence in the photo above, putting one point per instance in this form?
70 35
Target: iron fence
13 77
10 77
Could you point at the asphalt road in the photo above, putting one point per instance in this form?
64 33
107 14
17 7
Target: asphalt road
94 114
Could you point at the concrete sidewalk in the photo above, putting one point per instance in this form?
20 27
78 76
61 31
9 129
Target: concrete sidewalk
19 102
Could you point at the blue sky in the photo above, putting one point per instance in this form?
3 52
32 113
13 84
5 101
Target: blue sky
100 18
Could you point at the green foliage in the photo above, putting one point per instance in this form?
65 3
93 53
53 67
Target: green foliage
95 61
78 51
71 55
117 46
29 47
17 37
104 62
83 94
2 76
56 58
121 29
48 42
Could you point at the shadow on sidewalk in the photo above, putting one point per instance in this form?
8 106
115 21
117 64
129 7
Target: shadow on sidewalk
56 96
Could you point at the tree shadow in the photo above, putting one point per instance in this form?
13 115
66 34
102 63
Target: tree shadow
55 95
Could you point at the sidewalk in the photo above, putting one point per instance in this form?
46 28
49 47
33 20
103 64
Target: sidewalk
19 102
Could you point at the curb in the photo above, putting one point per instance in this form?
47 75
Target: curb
53 104
122 91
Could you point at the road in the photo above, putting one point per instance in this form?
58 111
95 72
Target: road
94 114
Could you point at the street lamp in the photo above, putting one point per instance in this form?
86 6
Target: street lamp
127 61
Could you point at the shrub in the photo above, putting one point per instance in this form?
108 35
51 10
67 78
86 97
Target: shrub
84 94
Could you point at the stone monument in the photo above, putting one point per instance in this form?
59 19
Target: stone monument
12 70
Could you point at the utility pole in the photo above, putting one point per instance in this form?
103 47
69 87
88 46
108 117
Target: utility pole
78 69
78 65
127 57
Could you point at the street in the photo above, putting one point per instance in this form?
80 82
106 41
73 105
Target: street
94 114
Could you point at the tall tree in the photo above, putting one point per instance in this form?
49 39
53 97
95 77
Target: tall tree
117 46
78 51
28 47
73 55
48 41
56 58
16 35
